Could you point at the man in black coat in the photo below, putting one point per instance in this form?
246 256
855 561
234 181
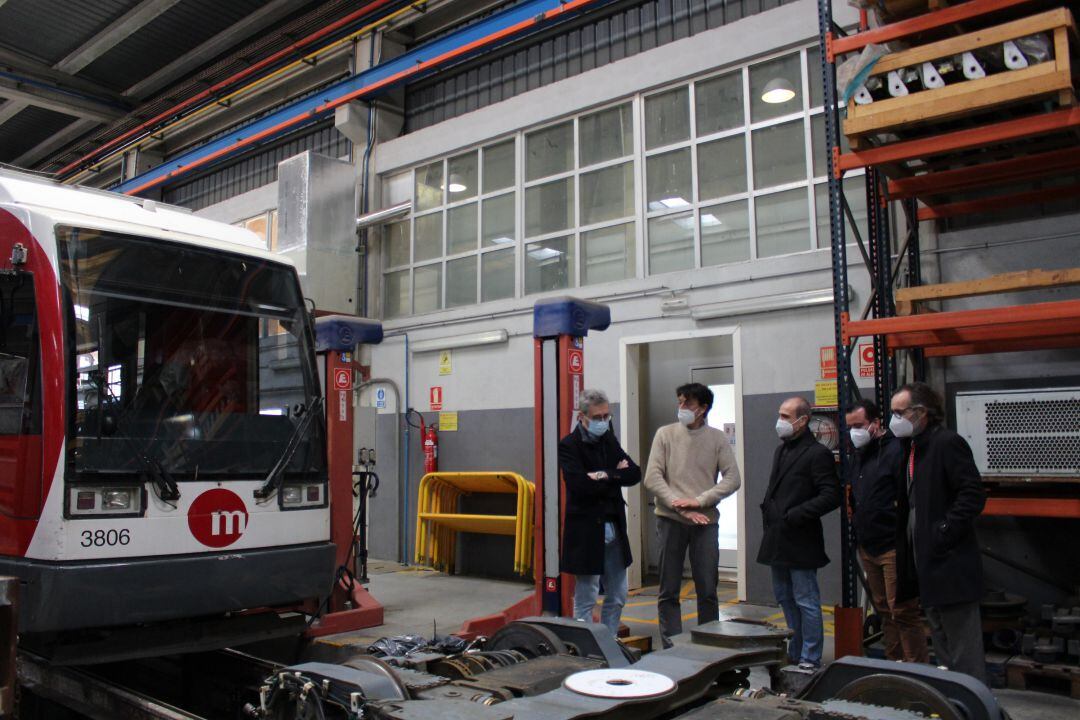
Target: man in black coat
594 544
937 552
877 465
803 486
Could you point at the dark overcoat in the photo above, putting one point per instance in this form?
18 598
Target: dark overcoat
944 566
589 502
803 486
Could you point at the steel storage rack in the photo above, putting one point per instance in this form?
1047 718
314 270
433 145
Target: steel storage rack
954 137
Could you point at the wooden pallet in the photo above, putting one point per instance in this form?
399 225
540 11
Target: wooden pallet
1025 674
1052 78
908 298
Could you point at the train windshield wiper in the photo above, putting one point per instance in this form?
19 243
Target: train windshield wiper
273 479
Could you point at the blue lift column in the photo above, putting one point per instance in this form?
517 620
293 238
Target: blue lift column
559 329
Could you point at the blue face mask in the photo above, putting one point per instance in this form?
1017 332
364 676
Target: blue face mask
598 427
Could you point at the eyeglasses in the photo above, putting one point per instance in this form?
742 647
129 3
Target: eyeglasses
909 408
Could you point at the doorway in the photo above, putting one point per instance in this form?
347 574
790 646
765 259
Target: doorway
651 368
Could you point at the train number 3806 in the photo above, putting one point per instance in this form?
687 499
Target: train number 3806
105 538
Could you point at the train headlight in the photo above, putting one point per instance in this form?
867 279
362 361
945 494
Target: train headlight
291 495
314 493
116 499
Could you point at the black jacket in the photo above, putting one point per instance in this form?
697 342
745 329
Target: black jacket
944 566
876 471
803 487
590 502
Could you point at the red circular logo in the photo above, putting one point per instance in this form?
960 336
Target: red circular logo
217 518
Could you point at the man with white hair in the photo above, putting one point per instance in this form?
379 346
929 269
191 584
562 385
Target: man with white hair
595 546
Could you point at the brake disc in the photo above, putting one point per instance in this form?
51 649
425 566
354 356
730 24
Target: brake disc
531 640
899 693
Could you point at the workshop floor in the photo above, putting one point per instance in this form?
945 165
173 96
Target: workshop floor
419 601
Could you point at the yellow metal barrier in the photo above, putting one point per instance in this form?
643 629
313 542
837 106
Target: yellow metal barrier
438 518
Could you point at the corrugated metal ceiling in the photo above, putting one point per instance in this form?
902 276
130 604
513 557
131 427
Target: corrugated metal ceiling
30 127
50 29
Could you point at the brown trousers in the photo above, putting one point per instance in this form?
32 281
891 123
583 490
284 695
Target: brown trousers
902 623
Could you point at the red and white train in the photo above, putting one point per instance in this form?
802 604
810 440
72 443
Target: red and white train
162 445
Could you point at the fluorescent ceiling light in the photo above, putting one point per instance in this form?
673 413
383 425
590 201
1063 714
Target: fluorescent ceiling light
777 91
487 337
769 303
545 253
710 219
674 202
457 184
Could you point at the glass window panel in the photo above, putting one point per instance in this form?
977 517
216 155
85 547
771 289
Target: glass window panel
667 118
814 76
855 191
779 154
719 103
817 137
499 166
396 189
668 184
549 207
608 254
396 244
462 172
396 294
671 243
498 222
427 243
497 274
461 281
549 151
549 265
274 229
725 233
429 182
257 225
427 290
782 223
775 88
461 229
607 194
722 167
606 135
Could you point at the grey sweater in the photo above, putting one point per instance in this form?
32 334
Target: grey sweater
685 463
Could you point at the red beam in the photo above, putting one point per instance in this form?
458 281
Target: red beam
1004 346
961 139
984 334
1033 507
921 23
1036 312
992 173
1000 202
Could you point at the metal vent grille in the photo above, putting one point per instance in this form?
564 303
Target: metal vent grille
1023 433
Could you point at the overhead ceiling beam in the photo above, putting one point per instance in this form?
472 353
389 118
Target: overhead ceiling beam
22 64
55 142
11 108
59 101
228 38
112 34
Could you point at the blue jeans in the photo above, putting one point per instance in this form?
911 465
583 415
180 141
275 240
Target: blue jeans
587 587
797 593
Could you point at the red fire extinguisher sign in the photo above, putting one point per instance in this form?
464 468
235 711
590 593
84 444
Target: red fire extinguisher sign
436 398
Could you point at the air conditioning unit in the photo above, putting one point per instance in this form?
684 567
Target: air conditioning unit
1026 433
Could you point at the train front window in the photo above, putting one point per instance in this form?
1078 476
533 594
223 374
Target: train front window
172 367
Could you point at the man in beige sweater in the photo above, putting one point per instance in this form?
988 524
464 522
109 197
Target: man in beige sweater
691 469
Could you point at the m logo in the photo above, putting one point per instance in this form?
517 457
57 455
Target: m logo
217 518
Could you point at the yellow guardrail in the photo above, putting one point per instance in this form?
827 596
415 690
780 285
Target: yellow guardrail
438 519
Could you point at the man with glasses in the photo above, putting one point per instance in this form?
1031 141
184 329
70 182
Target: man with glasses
937 551
595 546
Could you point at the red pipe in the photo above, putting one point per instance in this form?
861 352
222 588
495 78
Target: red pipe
352 17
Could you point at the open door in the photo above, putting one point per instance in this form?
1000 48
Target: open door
721 380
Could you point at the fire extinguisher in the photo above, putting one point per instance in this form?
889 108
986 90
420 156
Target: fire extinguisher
431 447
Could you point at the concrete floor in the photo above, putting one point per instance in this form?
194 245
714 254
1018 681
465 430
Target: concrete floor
420 601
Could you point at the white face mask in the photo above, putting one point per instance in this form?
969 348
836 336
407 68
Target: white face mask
686 417
901 427
784 429
860 437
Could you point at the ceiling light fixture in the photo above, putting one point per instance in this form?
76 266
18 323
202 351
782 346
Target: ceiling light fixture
777 91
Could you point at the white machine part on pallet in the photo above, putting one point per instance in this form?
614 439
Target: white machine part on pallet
619 683
1022 432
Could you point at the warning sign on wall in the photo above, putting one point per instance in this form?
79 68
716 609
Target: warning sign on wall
575 359
866 360
828 362
436 398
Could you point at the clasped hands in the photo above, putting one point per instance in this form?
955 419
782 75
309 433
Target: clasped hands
688 507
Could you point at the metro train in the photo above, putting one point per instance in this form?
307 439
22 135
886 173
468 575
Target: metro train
162 447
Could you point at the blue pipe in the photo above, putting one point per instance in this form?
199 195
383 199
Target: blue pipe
405 478
369 83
